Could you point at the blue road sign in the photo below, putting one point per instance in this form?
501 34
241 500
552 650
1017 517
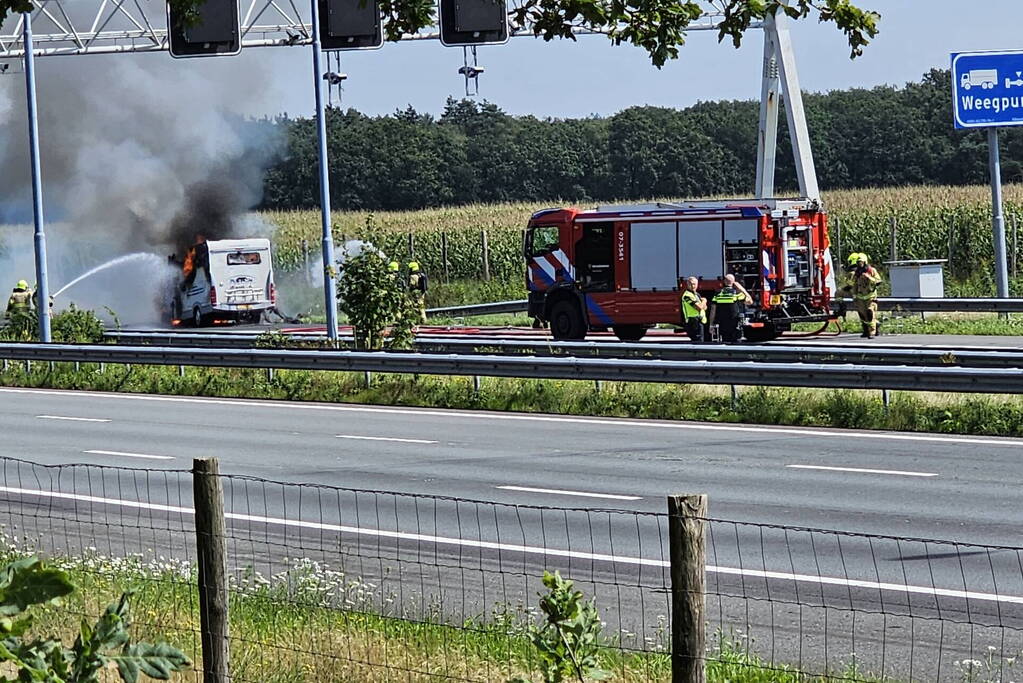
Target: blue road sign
987 89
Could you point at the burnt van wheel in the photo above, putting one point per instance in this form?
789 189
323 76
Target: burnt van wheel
629 333
198 319
567 322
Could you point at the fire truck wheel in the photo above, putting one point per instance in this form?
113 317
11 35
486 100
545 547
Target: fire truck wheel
761 334
629 333
567 321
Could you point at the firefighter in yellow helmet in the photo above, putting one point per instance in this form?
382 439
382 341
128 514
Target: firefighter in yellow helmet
20 302
863 289
417 284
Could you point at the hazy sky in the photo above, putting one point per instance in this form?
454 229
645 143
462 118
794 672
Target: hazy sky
566 79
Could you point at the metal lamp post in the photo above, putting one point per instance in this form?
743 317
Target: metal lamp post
42 284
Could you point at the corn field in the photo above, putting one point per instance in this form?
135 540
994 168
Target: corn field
931 222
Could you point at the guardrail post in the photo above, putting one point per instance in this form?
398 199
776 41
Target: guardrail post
211 547
181 371
476 383
687 516
368 377
886 400
735 396
486 255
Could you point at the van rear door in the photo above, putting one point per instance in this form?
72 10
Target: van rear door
242 278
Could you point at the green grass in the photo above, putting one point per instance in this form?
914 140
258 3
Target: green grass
977 324
858 409
313 623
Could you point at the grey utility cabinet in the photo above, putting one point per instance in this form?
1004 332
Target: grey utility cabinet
917 279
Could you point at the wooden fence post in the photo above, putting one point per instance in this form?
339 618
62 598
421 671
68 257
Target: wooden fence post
951 248
893 224
211 546
686 521
444 255
838 241
411 247
486 256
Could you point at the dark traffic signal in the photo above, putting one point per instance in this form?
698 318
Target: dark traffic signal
350 25
216 31
473 22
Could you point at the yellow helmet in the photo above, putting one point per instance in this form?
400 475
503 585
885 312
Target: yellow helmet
856 257
21 285
413 266
393 266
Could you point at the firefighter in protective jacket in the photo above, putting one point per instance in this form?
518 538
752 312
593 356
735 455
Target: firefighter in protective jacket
417 288
694 311
863 289
20 302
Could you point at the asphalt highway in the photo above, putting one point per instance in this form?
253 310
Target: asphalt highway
959 489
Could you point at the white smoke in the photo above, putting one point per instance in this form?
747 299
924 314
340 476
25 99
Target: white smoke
138 152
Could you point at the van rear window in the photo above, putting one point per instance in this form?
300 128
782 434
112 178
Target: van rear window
244 258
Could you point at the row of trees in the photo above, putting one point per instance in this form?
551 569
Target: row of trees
477 153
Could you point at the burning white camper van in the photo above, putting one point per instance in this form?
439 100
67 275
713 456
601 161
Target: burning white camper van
226 280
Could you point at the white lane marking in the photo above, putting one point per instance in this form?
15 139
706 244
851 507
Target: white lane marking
131 455
531 550
559 492
74 419
382 438
781 431
861 470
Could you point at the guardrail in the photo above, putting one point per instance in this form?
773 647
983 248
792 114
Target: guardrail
885 303
813 375
650 350
480 309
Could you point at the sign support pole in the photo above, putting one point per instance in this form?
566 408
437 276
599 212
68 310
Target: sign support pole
42 282
997 218
329 266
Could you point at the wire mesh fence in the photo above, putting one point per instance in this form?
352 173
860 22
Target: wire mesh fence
333 584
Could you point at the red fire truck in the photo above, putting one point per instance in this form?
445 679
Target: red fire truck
618 267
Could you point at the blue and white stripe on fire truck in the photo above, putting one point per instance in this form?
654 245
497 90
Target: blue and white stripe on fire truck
767 268
547 269
597 311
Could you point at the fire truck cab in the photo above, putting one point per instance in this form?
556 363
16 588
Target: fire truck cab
619 267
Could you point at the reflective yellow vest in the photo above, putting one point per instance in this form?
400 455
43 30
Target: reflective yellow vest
689 310
728 295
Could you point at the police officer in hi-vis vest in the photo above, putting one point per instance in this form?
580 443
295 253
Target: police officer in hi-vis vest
694 310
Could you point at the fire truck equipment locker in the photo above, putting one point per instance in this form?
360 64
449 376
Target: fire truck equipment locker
653 249
699 250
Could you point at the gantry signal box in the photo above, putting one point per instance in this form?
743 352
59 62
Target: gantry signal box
217 31
473 22
350 25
